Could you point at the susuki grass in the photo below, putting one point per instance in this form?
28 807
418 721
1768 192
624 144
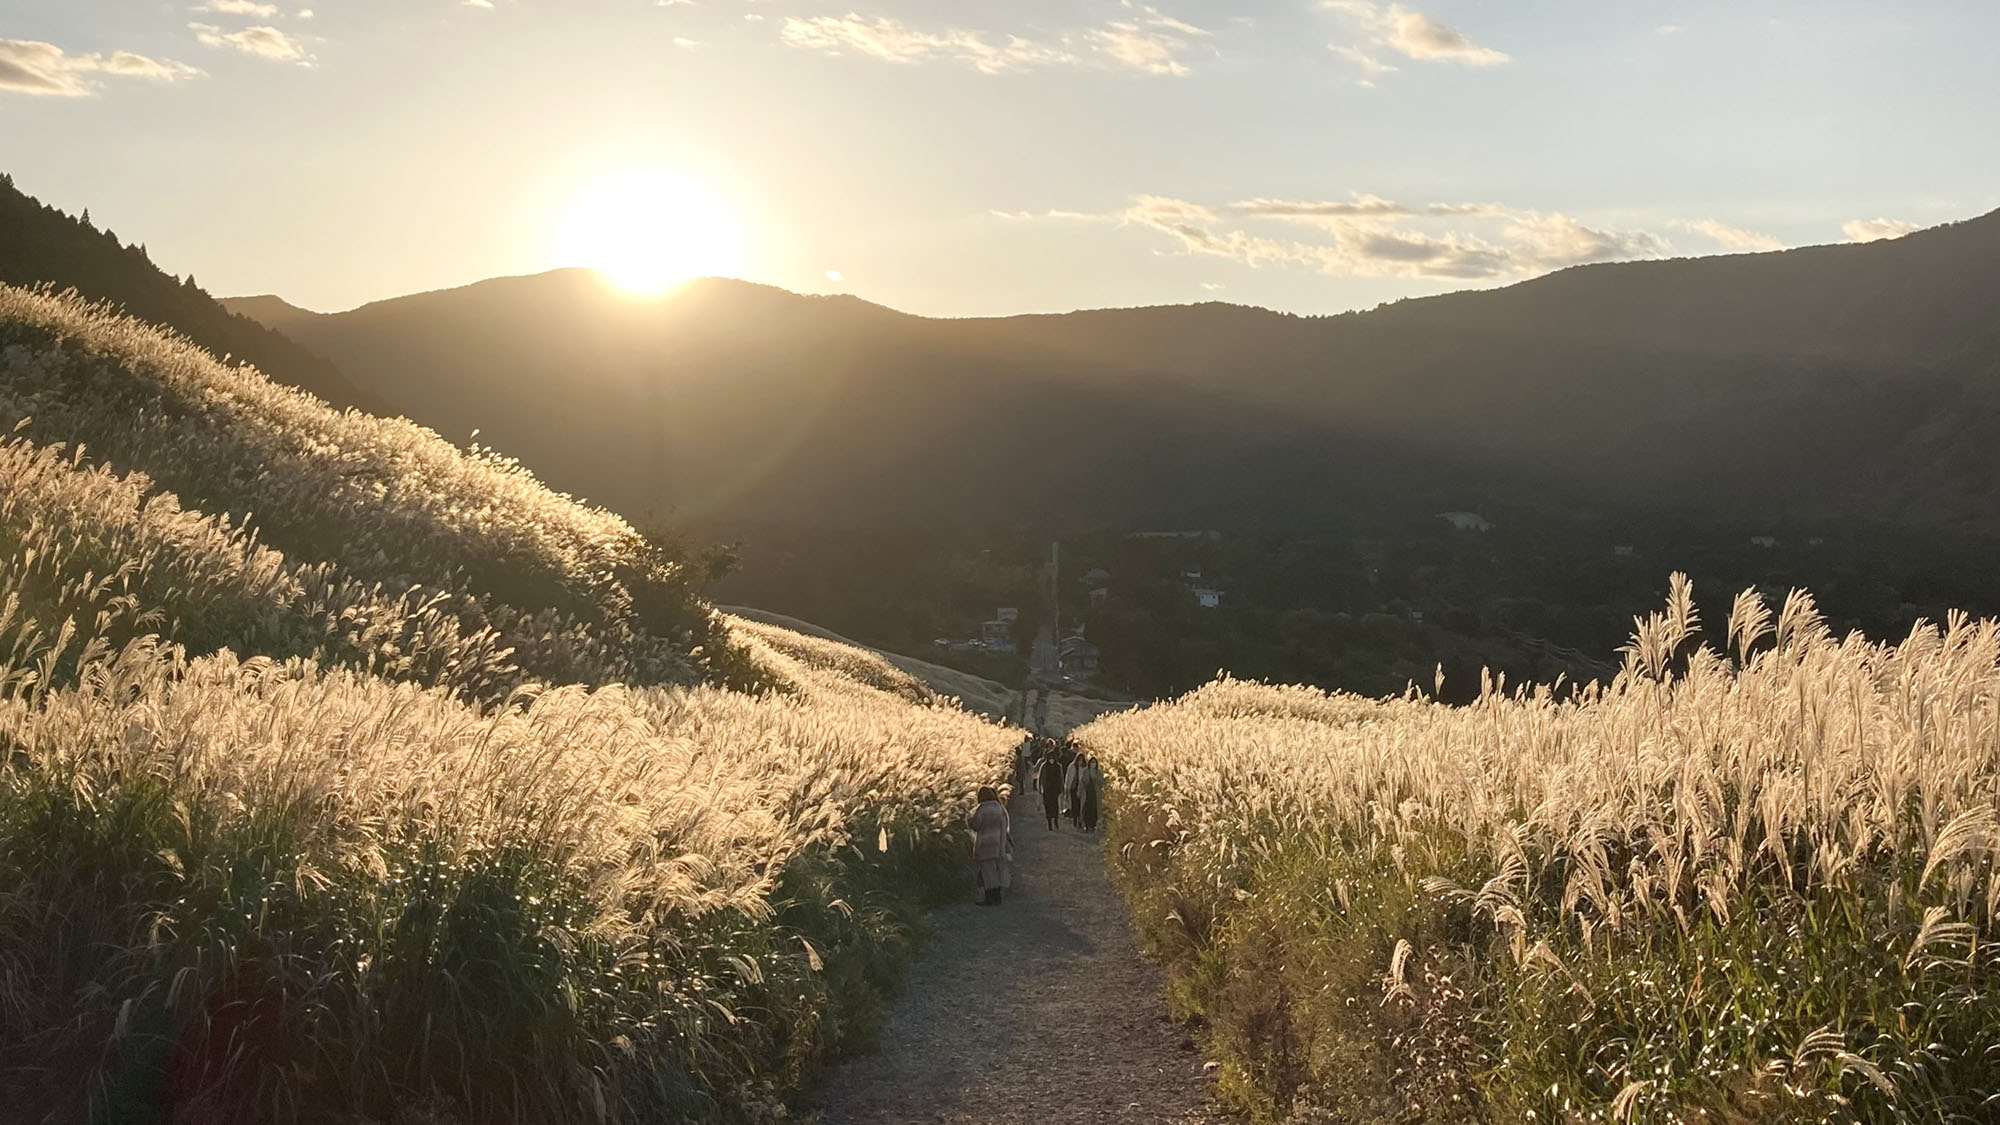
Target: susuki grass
1749 881
288 834
255 889
572 590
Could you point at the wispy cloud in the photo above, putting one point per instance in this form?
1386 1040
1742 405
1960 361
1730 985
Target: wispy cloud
1369 236
29 66
266 42
1149 41
889 39
1146 40
1735 238
239 8
1409 33
1872 230
1371 67
1031 216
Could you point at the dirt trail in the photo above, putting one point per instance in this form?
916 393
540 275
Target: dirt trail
1038 1010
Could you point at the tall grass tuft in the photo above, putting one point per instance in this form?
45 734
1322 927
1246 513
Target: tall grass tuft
1754 884
346 776
572 590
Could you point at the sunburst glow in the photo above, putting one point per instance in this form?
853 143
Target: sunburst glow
650 230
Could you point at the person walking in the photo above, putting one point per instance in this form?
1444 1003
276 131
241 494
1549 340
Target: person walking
1049 779
1024 760
1091 787
1072 792
992 844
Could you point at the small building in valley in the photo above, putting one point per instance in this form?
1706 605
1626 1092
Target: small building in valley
998 635
1078 657
1466 521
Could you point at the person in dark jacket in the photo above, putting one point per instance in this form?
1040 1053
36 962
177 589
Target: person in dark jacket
1049 779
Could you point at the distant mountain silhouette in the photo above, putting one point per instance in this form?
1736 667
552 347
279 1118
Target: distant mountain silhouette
40 244
1832 383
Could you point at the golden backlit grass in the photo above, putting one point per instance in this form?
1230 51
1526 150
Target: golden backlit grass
974 693
573 591
249 887
1753 882
295 836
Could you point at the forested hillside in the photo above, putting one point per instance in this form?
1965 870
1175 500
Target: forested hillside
1826 416
353 776
1838 383
42 245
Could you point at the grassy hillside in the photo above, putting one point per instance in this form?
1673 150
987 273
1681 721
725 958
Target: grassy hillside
40 245
976 693
1065 710
572 591
1752 881
349 776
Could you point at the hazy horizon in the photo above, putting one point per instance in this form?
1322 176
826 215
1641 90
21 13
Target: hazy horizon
952 159
1208 298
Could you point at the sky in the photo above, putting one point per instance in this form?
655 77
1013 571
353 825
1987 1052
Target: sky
960 158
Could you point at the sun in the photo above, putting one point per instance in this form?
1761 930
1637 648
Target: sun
647 231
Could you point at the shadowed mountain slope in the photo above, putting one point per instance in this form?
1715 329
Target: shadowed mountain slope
1853 382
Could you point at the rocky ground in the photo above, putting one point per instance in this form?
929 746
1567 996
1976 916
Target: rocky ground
1038 1010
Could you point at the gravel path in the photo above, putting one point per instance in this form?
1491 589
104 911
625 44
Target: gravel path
1038 1010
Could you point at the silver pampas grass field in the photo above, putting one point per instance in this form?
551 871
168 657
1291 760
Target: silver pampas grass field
1751 878
347 775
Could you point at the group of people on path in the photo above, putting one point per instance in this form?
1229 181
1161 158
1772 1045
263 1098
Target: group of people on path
1071 783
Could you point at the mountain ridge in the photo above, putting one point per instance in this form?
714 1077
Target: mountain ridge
1720 386
1564 274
